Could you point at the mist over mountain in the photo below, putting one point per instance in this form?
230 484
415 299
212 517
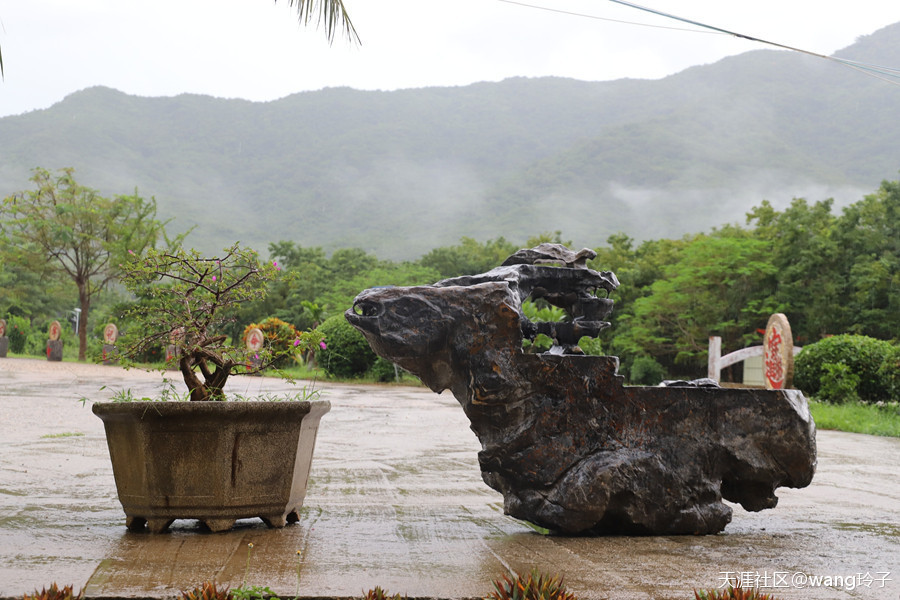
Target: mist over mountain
399 173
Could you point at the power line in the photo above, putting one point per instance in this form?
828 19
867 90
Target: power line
874 70
888 74
598 18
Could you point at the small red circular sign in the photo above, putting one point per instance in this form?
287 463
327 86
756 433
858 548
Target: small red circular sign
778 353
255 340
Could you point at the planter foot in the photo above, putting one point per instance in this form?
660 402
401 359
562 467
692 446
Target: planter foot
277 521
135 523
158 525
217 525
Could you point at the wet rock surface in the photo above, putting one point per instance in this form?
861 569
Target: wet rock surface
570 447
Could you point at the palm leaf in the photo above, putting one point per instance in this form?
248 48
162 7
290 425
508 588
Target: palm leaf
330 12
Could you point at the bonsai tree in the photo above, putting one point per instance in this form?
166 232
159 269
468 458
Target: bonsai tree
186 300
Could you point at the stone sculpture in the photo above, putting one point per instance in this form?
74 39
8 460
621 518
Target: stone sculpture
568 445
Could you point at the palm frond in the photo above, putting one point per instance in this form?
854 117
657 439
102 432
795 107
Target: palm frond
331 13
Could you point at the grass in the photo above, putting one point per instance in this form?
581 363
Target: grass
67 434
857 418
302 372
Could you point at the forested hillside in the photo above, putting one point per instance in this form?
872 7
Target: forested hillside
399 173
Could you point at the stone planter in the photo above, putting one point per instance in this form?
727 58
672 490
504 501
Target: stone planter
211 461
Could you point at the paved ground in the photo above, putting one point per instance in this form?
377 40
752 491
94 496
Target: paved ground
396 500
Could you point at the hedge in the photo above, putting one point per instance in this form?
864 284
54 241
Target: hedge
347 353
845 368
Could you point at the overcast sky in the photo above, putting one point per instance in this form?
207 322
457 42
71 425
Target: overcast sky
255 49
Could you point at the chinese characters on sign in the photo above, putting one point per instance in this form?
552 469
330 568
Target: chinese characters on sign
778 353
55 328
110 334
255 340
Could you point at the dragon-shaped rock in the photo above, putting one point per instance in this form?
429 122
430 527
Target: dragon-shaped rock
568 445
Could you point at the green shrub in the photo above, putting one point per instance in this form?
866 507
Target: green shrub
17 329
838 384
541 343
542 312
860 357
280 337
646 371
889 372
36 343
382 370
346 352
591 346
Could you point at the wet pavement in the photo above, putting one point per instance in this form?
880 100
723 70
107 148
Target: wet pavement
396 500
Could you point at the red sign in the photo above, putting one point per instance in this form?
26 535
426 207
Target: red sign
255 339
778 353
55 329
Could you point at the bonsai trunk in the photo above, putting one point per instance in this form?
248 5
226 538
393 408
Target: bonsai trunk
213 382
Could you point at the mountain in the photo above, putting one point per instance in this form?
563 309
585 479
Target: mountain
398 173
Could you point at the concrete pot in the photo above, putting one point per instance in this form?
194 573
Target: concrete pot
212 461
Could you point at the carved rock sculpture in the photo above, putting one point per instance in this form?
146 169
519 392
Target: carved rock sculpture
567 444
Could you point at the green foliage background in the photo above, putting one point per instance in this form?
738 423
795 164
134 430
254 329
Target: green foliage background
831 272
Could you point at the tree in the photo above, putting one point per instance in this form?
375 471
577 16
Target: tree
322 287
65 230
636 269
469 257
868 234
25 294
837 274
722 284
810 263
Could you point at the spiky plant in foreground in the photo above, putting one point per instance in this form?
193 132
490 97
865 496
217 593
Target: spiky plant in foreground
380 594
732 593
54 593
534 586
207 591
